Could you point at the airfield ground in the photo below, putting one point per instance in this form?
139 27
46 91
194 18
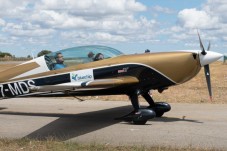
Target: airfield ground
193 122
92 122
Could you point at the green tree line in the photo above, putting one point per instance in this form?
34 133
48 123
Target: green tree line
4 54
41 53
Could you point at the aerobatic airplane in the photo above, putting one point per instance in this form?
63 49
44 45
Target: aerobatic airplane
100 70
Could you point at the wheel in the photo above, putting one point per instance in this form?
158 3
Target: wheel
159 114
140 122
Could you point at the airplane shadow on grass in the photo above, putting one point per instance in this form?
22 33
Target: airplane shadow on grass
68 126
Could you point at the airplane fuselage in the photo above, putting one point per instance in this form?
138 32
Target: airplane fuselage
153 71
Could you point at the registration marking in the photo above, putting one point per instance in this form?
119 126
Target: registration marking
16 88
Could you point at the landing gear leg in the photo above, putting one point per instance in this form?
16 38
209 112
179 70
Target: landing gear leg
138 116
159 107
135 102
149 99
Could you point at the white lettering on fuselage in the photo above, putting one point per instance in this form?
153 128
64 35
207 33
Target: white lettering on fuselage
16 88
2 92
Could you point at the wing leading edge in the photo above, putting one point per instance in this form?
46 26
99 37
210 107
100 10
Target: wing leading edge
88 85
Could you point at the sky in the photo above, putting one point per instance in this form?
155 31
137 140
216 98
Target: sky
131 26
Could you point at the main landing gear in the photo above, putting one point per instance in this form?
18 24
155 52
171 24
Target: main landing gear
141 115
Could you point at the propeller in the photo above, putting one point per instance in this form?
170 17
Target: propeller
207 75
206 67
201 45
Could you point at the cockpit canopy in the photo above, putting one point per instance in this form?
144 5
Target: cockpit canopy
80 55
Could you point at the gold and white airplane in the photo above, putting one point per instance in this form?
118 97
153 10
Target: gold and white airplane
100 70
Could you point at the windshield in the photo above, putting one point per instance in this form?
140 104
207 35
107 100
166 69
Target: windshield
79 55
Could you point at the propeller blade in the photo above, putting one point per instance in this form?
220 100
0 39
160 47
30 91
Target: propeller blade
207 75
208 48
201 45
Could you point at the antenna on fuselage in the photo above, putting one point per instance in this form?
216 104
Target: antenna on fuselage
33 57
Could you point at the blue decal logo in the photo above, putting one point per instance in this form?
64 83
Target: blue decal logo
75 77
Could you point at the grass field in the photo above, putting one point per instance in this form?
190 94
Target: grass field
54 145
193 91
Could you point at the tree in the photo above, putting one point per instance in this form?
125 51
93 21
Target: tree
4 54
43 52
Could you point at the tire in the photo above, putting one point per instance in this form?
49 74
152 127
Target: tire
159 114
140 122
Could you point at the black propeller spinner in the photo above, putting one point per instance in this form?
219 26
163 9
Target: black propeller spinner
206 67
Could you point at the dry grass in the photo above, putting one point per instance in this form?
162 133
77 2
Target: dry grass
51 144
193 91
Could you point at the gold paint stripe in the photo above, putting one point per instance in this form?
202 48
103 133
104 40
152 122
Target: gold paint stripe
17 70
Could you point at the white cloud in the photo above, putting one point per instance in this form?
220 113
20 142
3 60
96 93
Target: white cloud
26 29
33 22
193 18
217 8
37 40
15 9
162 9
93 14
2 22
7 40
92 7
91 38
99 20
210 19
61 20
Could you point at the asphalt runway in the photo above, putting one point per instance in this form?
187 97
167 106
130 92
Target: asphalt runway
186 125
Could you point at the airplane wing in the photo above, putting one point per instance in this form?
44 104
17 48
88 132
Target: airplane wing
111 82
88 85
64 88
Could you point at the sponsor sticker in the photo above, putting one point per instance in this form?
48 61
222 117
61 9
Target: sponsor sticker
123 70
82 75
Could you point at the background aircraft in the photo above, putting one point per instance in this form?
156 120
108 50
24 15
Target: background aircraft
99 70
